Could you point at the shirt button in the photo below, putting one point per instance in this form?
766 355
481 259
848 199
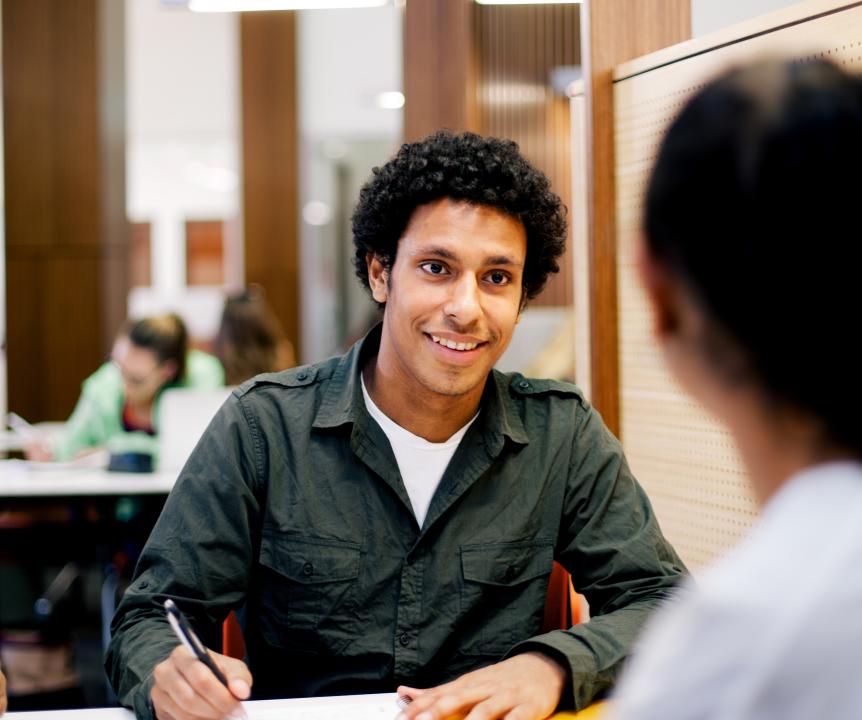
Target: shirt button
510 572
308 569
302 375
523 384
404 639
143 585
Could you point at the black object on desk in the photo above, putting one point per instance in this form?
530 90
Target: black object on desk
131 462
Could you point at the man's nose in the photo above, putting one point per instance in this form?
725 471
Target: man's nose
464 304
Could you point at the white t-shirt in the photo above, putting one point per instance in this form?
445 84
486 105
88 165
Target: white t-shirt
420 462
774 630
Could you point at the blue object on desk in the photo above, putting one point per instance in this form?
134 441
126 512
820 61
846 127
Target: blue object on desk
131 462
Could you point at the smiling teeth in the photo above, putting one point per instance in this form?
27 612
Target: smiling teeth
452 345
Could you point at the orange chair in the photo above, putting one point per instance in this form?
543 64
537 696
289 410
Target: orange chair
563 604
562 610
232 642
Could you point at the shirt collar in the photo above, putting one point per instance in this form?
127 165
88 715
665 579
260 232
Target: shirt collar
343 402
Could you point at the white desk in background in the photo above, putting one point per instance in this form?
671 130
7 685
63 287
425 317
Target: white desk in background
21 479
345 707
65 483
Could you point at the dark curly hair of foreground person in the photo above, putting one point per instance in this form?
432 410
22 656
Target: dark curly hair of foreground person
479 170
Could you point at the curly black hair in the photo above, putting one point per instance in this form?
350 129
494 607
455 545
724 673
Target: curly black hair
479 170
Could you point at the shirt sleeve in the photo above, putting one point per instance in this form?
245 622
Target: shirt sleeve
619 560
199 553
91 424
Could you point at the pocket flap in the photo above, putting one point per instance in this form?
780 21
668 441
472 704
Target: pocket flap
506 563
310 560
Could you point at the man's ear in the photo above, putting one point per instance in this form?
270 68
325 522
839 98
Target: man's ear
661 291
378 277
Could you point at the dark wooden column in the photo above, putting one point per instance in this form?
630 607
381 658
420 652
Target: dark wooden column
271 161
613 31
66 232
439 67
519 46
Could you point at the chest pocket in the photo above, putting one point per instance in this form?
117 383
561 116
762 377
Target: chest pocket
503 594
308 591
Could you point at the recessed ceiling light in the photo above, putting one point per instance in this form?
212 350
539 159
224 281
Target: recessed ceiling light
390 100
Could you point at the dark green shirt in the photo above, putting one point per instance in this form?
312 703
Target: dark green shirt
292 510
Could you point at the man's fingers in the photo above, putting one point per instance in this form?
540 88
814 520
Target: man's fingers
237 673
202 692
519 712
496 706
404 691
186 689
455 701
166 707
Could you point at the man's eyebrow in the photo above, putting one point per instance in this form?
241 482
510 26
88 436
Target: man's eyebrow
502 260
436 250
446 253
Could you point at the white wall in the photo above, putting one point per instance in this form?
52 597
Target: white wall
183 157
183 147
345 58
709 15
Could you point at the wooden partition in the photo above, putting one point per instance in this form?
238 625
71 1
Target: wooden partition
270 162
67 237
685 460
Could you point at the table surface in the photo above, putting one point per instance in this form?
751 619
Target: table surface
19 478
355 707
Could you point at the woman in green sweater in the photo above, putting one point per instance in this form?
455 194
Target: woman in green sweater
118 406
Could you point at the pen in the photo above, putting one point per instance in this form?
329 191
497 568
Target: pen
188 638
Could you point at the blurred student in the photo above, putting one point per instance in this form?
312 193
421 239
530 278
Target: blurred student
752 262
118 405
250 339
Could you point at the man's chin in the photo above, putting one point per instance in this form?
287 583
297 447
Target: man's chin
455 387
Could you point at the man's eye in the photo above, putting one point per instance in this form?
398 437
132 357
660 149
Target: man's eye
434 268
498 278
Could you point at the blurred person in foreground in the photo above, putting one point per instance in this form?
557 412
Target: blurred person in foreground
752 259
250 339
118 406
388 519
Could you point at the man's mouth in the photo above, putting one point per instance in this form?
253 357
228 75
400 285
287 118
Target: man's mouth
454 345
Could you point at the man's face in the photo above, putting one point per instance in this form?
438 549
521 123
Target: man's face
454 296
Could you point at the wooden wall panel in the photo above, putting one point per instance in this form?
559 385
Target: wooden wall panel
612 32
66 239
439 67
204 252
271 162
517 47
687 461
140 255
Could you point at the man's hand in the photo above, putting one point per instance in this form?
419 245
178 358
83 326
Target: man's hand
2 693
524 687
185 689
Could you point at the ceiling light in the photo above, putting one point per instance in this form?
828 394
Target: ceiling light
390 100
251 5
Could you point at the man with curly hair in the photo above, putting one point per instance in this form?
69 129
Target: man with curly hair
388 519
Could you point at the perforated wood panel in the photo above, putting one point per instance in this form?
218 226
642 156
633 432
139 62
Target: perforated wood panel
684 459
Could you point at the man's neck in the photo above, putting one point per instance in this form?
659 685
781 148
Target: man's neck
424 413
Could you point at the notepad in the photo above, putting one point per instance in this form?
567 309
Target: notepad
354 707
